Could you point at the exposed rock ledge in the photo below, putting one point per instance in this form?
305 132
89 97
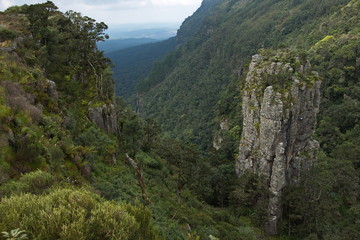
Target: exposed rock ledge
104 117
280 103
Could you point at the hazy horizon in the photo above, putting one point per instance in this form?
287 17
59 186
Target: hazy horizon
153 30
122 13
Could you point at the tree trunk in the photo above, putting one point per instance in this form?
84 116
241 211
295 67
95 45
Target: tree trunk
140 177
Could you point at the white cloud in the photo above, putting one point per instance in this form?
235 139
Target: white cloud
123 11
174 2
5 4
139 3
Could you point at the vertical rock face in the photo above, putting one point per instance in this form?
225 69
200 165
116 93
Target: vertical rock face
218 138
104 117
280 103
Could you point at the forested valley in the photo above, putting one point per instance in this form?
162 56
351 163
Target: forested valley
243 126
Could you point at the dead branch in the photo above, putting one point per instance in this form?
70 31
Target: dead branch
140 177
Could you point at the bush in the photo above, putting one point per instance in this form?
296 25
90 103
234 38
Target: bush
34 182
6 34
72 214
149 161
4 169
111 221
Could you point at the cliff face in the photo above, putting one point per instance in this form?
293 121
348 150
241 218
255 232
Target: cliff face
104 117
280 103
192 24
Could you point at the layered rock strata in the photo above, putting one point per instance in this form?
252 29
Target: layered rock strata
280 102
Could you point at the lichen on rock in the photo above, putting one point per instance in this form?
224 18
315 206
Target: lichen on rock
281 99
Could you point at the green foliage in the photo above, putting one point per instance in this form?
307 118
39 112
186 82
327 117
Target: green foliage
133 64
135 133
89 217
65 46
250 198
149 161
15 234
101 143
110 221
62 142
182 90
6 34
184 161
142 216
33 182
31 150
326 203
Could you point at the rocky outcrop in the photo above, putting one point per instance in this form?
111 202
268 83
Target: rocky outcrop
218 136
51 90
280 103
20 100
10 46
104 117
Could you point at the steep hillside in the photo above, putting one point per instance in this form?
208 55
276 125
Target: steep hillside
181 92
193 23
132 65
53 82
203 84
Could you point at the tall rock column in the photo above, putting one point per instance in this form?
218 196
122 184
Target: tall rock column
280 102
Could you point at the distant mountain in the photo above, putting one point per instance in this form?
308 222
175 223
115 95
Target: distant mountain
112 45
156 31
193 23
133 64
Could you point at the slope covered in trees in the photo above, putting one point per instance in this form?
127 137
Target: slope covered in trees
196 76
132 65
48 147
113 45
197 87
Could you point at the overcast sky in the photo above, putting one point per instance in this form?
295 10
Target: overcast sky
115 12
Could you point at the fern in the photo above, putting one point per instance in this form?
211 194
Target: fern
15 234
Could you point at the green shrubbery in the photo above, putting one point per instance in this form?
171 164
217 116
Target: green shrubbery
6 34
34 182
89 217
15 234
